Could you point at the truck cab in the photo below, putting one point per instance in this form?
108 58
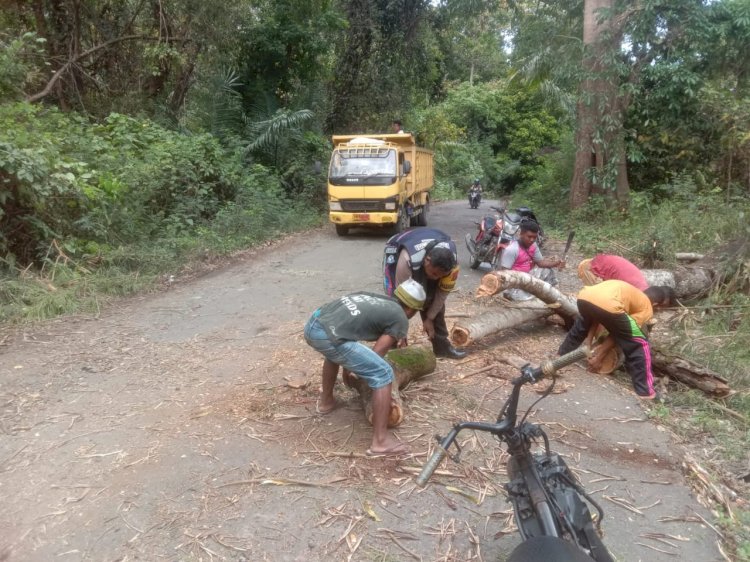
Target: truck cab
378 180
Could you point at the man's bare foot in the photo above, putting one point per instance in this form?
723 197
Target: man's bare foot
325 407
392 448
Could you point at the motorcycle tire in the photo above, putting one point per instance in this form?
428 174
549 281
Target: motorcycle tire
546 549
474 261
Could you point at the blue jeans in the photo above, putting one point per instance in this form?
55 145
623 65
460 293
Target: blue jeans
352 355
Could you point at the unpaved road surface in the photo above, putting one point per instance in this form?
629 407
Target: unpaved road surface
166 429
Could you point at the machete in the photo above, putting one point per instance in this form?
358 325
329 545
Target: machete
567 245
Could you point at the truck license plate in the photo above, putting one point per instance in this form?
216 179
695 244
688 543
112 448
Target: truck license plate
362 217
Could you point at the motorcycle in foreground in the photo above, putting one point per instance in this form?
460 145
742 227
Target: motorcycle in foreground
475 197
551 507
495 233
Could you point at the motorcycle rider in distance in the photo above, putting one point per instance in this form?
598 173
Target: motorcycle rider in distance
524 255
428 256
475 191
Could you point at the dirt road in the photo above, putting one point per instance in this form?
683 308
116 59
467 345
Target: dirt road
165 430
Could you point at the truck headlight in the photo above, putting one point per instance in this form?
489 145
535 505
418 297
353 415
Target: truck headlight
334 205
390 206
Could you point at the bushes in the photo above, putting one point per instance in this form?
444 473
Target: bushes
492 131
119 182
84 206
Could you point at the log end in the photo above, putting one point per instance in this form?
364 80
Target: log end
489 285
612 360
460 336
395 416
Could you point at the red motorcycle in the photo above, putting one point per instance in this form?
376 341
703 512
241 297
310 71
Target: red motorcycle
495 233
491 239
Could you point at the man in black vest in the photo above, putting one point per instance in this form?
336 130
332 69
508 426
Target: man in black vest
428 256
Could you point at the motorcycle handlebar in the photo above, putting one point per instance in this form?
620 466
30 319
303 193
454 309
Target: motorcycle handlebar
549 368
429 468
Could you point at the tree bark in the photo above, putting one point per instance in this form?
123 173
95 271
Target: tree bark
688 282
688 256
463 333
497 281
600 165
409 364
685 280
690 373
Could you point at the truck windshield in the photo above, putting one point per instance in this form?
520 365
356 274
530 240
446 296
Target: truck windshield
358 165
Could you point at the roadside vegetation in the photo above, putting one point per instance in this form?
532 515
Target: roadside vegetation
142 144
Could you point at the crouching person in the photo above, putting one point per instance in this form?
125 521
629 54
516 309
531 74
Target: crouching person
335 331
623 310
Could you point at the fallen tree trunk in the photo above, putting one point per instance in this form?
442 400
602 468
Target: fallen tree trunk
688 256
688 282
499 319
409 364
674 367
497 281
689 373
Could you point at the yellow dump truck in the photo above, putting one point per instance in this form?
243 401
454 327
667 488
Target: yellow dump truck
379 180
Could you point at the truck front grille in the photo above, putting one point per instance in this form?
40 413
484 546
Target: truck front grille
356 206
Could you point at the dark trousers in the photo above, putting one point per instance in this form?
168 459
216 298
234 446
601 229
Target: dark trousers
627 335
440 342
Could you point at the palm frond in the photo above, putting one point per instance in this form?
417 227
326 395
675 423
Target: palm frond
268 132
226 103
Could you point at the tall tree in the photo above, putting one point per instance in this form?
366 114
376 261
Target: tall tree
600 162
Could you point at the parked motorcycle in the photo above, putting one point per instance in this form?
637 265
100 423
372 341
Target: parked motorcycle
475 197
495 233
487 246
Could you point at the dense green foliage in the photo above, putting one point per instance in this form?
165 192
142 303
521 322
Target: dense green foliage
125 196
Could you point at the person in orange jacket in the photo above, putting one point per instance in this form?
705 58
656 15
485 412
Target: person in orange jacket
623 310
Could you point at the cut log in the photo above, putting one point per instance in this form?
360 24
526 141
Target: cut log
688 256
688 282
689 373
675 367
497 281
409 364
498 319
611 360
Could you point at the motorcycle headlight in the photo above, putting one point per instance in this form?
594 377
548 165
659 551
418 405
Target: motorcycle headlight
334 205
390 206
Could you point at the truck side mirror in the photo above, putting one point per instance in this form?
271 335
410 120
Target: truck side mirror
407 167
317 167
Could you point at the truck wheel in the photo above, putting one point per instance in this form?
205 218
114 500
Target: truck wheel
402 222
342 230
422 217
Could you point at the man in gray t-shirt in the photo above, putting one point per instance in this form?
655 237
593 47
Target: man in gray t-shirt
335 331
363 317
